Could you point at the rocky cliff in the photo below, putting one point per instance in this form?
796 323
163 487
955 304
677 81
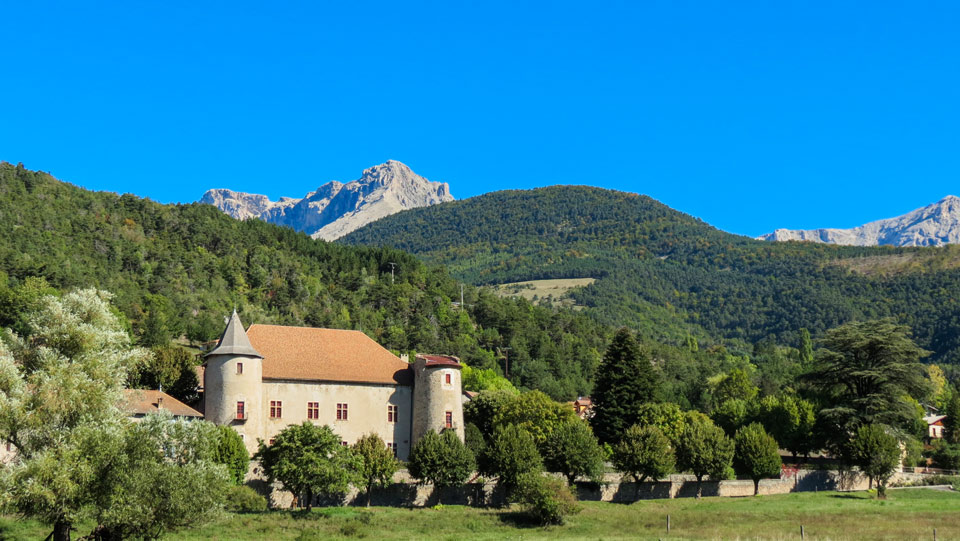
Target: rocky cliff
335 208
933 225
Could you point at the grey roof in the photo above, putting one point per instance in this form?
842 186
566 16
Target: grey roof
234 340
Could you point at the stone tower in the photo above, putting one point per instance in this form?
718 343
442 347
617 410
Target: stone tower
233 390
437 395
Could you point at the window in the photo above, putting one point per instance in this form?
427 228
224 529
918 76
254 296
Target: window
272 440
341 412
276 409
449 423
241 414
313 410
392 414
239 368
392 447
343 443
448 379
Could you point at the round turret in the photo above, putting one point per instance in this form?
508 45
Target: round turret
233 384
437 395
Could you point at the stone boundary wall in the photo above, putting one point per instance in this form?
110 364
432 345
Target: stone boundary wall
406 493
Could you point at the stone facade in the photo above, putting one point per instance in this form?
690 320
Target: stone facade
438 400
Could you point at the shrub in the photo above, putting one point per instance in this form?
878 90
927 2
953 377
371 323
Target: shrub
546 500
243 499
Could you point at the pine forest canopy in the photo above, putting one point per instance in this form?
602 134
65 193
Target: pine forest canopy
673 276
179 269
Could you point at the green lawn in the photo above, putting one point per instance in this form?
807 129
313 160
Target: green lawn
907 514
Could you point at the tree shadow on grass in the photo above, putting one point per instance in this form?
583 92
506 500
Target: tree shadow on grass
518 519
848 496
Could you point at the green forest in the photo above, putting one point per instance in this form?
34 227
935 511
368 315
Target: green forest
704 303
673 277
177 270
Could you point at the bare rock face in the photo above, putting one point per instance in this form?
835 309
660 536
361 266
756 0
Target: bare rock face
335 209
933 225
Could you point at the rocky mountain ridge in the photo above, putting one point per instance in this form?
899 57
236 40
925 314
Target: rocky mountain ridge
934 225
335 208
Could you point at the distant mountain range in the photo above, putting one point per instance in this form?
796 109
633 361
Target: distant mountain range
934 225
335 208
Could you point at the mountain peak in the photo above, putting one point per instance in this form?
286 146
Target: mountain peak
934 225
335 209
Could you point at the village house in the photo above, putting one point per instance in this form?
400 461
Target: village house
934 426
268 377
137 404
583 407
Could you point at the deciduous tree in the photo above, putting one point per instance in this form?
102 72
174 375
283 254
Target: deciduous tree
757 454
642 452
441 460
376 462
57 389
308 459
572 450
511 454
877 453
704 450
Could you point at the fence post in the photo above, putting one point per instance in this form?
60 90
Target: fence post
802 533
668 527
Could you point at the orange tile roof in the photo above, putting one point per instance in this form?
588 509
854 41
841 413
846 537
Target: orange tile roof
306 353
440 360
144 401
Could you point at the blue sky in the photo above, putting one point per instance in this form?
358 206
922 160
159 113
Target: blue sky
750 115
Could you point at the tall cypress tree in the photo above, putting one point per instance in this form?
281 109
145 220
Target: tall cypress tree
625 381
951 423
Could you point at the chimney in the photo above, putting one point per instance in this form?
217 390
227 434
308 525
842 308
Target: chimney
405 357
159 402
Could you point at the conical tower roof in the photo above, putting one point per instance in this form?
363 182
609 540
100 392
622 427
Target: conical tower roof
234 340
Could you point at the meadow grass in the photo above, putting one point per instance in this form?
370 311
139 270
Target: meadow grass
907 514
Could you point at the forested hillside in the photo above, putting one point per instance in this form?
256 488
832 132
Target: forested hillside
177 270
674 276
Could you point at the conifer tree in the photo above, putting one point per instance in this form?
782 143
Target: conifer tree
951 423
868 367
625 381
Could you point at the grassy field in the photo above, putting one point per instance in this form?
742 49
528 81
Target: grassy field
907 514
540 290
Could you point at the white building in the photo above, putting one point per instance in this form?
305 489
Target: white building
268 377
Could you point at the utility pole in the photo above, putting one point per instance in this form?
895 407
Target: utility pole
461 296
506 356
392 265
